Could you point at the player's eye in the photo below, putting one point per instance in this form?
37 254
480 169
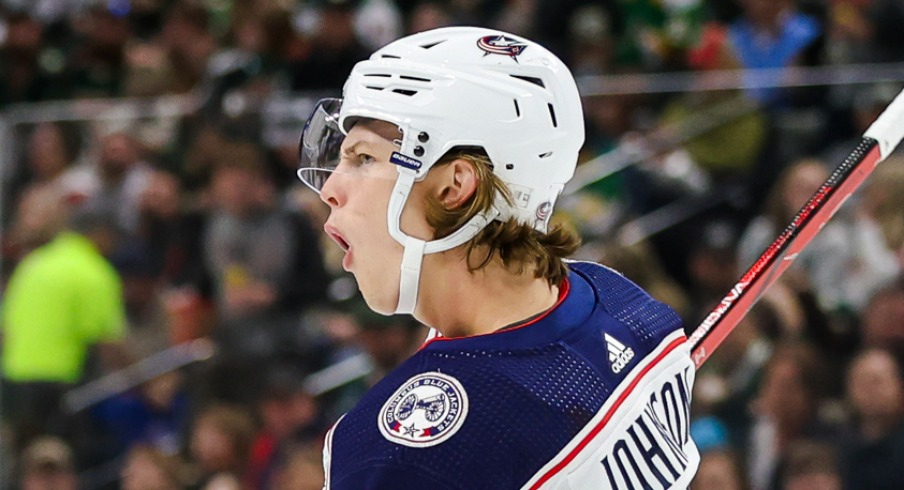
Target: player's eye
365 159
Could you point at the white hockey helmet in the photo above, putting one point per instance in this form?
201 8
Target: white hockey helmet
459 87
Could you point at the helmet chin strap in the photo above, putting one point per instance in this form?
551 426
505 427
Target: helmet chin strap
415 248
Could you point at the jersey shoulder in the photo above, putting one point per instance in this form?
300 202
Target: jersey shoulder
649 320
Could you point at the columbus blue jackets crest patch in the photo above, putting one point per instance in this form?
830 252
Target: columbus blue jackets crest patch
501 44
425 411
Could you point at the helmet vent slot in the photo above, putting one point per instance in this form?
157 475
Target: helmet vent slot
391 56
430 45
381 75
545 155
416 79
534 80
402 91
552 115
374 88
517 108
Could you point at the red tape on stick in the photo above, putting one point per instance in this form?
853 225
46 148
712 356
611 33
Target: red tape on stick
878 142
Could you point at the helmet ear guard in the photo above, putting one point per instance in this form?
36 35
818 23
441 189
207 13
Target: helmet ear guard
465 87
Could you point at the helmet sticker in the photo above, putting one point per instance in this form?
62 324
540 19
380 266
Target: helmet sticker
520 195
543 211
425 411
405 161
501 44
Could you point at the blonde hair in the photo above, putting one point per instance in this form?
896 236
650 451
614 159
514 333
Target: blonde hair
519 245
775 207
235 423
881 200
171 467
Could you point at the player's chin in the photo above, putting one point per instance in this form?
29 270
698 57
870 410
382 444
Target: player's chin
378 299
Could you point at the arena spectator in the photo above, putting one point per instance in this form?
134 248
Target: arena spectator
38 218
785 411
771 34
711 269
121 177
47 464
880 200
429 15
148 468
653 34
378 22
303 470
880 323
51 152
864 32
334 49
812 466
289 417
97 64
166 253
726 387
189 44
873 451
155 415
62 300
719 470
24 78
260 286
220 445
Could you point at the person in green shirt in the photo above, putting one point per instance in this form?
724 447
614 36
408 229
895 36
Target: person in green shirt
62 299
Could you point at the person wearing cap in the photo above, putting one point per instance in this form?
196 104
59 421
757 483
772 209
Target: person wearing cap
47 464
441 166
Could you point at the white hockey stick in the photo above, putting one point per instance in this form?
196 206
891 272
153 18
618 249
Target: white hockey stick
878 142
134 375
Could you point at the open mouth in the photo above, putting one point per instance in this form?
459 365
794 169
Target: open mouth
337 237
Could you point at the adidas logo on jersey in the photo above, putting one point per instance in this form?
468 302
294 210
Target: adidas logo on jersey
619 354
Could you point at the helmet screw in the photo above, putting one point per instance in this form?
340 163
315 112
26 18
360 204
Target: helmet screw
423 137
419 151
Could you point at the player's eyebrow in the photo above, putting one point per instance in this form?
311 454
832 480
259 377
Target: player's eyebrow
351 150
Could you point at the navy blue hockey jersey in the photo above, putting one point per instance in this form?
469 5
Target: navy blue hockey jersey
593 394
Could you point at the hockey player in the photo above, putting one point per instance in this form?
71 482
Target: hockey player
441 166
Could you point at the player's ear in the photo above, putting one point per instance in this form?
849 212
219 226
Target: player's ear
457 183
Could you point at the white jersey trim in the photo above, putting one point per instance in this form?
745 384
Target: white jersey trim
328 453
569 469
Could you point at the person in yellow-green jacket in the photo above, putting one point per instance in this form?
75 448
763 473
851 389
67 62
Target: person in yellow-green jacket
62 299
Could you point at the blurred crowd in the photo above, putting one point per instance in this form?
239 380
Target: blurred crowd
125 236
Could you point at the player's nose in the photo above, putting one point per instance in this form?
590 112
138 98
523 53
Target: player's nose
333 192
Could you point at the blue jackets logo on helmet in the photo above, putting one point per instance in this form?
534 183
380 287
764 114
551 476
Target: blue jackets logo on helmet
501 45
